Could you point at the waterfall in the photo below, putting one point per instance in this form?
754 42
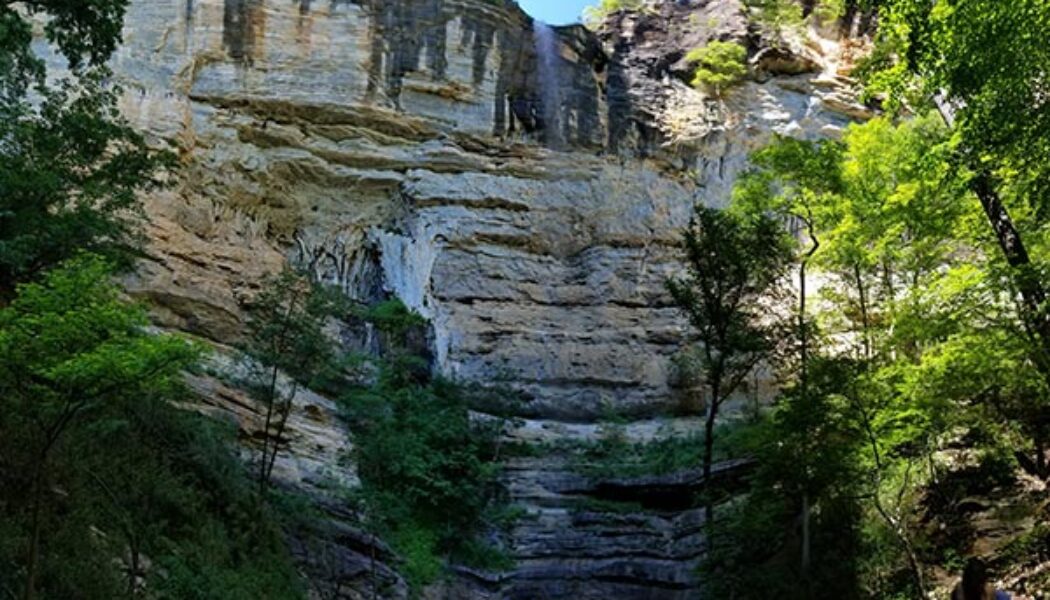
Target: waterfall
549 81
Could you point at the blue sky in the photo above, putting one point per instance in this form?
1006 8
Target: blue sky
555 12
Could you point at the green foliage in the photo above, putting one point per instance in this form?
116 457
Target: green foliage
101 474
719 65
776 14
602 505
287 338
70 167
981 64
428 468
594 16
612 455
393 317
806 448
734 263
921 348
986 57
781 16
482 555
86 32
70 172
287 327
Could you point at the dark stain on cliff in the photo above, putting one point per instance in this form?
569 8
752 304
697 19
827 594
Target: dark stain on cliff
404 33
519 97
581 121
479 36
412 36
243 23
618 95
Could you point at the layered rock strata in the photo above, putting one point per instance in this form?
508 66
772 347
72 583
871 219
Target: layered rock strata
408 148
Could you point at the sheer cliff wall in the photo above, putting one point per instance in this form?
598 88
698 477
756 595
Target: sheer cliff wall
402 147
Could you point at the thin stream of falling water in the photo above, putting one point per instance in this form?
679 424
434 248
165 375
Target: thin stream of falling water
549 81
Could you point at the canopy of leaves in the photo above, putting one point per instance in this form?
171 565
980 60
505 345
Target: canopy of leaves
86 32
428 468
595 15
70 172
72 340
808 446
70 167
987 60
287 327
922 346
719 65
86 406
733 264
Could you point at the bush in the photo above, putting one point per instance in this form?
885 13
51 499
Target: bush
150 493
719 65
428 469
594 16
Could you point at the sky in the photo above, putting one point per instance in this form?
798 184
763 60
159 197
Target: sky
555 12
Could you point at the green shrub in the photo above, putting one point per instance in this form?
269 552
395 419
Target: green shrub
720 65
141 481
392 316
612 455
594 16
482 555
418 548
779 15
428 469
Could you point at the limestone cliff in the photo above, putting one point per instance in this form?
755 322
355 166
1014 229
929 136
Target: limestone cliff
524 196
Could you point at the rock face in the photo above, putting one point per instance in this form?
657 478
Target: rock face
410 148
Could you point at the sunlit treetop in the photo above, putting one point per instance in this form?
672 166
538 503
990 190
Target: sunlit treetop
986 62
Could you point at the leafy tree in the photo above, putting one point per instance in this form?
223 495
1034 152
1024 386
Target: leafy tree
981 63
70 167
915 297
107 489
70 175
86 32
796 180
287 337
68 347
733 265
806 450
719 65
98 470
780 16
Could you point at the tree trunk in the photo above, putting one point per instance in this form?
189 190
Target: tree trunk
864 320
282 423
1033 294
29 593
134 567
278 349
709 448
803 336
806 538
270 401
1040 456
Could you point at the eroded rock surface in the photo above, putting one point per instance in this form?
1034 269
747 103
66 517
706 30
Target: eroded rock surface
403 147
